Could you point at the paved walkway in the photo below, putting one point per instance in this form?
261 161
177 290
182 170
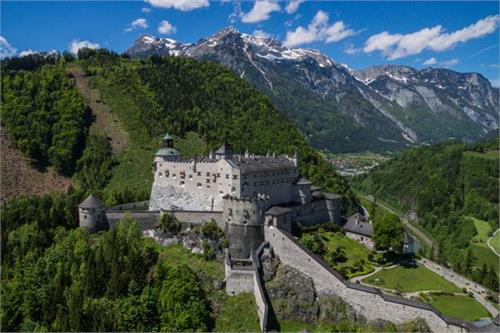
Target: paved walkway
377 269
478 291
489 245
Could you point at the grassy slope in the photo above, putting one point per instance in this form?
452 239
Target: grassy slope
353 250
479 247
495 241
461 307
408 279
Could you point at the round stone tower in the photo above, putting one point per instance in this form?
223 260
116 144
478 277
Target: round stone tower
91 214
244 224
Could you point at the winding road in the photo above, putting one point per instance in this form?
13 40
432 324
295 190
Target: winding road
489 245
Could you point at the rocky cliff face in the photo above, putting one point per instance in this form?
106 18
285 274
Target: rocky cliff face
340 109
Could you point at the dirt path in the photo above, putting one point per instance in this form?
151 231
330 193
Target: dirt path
489 245
19 177
377 269
104 122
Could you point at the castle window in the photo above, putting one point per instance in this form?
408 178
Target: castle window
218 175
221 192
233 189
161 175
84 216
208 181
198 173
199 185
190 176
183 174
235 176
208 174
173 175
230 212
182 182
227 176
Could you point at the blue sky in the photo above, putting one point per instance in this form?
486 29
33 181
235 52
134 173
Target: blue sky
463 36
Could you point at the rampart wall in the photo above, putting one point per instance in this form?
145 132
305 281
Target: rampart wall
370 302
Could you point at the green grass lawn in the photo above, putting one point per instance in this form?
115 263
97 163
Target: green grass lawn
485 255
482 228
460 307
410 279
490 155
354 251
239 314
495 242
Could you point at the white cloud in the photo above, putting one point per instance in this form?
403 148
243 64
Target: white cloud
318 30
261 33
6 50
140 23
449 63
351 50
261 11
395 46
184 5
430 62
146 10
293 6
166 28
495 82
76 45
27 52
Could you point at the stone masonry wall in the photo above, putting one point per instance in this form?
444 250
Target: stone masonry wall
366 300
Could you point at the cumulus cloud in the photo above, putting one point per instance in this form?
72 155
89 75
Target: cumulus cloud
146 10
27 53
76 45
261 11
318 30
293 6
140 23
166 28
395 46
495 82
430 62
351 50
184 5
6 50
449 63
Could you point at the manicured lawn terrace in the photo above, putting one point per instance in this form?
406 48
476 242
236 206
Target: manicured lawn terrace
354 251
410 279
460 307
490 155
482 228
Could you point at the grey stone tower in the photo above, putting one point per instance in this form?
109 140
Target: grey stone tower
244 224
91 214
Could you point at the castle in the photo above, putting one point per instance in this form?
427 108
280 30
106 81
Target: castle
255 199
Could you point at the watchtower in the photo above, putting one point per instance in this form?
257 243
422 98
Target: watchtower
167 151
244 224
91 214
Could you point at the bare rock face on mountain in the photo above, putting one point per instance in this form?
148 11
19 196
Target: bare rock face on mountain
340 109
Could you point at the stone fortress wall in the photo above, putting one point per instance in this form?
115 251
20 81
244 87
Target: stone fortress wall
369 301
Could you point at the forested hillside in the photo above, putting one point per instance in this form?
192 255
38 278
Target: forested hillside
445 185
57 278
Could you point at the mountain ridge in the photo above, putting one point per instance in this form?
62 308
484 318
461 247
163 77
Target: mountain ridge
390 106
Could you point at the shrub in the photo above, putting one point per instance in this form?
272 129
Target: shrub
208 252
169 224
211 230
